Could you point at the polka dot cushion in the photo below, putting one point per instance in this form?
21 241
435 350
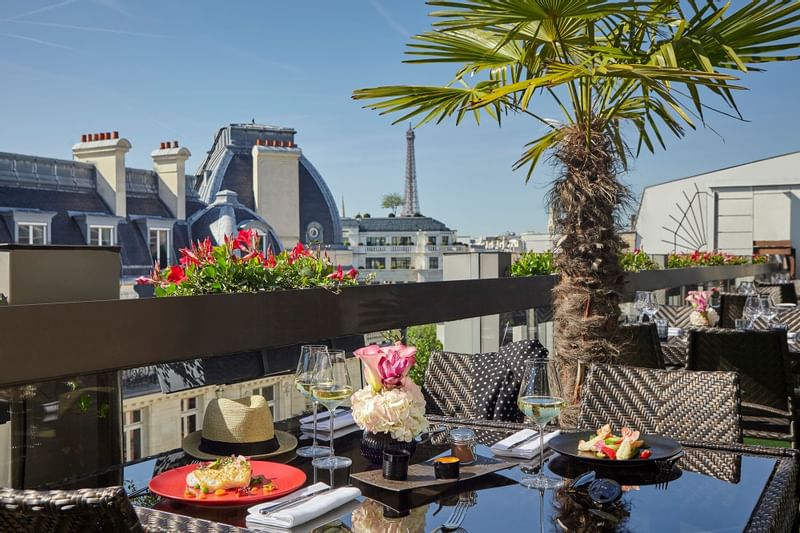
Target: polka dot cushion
512 357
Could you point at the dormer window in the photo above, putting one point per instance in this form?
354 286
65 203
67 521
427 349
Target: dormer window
160 246
102 235
28 233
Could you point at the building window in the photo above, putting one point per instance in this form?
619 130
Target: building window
32 233
433 263
432 241
401 263
402 241
101 235
376 263
445 240
133 445
189 411
269 394
376 241
160 246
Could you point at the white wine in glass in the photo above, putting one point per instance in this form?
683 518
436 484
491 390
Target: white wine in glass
302 382
331 386
540 400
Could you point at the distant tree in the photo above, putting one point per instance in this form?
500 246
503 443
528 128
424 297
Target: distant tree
392 201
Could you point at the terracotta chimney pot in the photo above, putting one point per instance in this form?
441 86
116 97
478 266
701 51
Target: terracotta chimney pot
108 135
174 144
83 138
115 135
163 145
96 137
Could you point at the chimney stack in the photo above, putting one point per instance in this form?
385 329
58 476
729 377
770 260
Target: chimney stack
169 162
107 153
276 188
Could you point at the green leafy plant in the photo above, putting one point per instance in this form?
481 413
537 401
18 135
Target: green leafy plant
636 261
238 265
392 202
533 264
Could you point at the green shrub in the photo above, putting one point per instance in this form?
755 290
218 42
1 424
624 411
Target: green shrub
533 264
637 261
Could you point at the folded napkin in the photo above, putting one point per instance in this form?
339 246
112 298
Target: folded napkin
322 503
510 447
674 332
322 414
325 436
312 526
325 425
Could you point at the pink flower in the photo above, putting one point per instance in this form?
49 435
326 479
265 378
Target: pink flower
385 367
176 274
244 240
144 280
352 273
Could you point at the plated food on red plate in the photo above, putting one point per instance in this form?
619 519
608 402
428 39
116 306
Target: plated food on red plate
605 445
233 480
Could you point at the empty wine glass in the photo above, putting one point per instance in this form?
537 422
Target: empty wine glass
752 309
639 303
302 381
331 386
650 306
768 311
541 401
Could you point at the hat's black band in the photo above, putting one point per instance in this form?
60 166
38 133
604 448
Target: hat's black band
215 447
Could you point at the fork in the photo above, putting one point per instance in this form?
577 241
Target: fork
455 520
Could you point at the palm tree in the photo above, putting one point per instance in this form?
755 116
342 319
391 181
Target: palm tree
616 70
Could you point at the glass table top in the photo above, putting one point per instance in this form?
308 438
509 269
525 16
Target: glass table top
708 490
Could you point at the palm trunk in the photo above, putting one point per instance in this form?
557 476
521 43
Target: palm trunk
585 199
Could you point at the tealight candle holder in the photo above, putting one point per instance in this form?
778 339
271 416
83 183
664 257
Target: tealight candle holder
446 467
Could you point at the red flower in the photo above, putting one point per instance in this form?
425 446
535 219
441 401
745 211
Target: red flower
270 261
252 255
338 275
244 240
297 252
352 273
176 274
188 257
144 280
636 250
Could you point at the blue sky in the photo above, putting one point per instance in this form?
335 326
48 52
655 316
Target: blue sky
157 70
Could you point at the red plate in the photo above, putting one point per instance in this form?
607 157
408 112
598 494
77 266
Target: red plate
172 484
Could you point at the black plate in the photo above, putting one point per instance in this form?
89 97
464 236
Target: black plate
660 448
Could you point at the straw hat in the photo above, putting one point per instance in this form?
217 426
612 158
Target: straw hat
238 427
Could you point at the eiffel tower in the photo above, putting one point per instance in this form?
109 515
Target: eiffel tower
411 205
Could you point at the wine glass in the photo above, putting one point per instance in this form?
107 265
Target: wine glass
752 309
768 311
540 400
331 386
302 381
650 306
639 303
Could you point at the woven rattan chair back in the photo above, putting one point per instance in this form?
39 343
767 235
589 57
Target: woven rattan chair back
67 511
761 359
676 315
449 383
639 346
730 308
778 293
701 406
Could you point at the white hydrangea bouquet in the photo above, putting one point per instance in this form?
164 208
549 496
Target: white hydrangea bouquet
703 314
391 402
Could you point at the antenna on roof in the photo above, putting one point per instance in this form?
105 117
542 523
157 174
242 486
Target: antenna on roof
344 214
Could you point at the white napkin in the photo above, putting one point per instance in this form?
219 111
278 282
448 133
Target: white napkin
525 451
325 425
336 514
674 332
325 436
322 414
302 512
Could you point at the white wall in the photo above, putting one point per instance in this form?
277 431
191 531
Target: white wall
734 207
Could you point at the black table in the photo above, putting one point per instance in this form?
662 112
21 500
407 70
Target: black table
712 488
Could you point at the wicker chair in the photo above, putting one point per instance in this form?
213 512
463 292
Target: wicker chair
701 406
448 383
67 511
762 361
639 346
730 308
778 293
675 315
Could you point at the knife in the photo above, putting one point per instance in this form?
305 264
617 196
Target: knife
288 503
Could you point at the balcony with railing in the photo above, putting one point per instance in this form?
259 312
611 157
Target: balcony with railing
73 371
